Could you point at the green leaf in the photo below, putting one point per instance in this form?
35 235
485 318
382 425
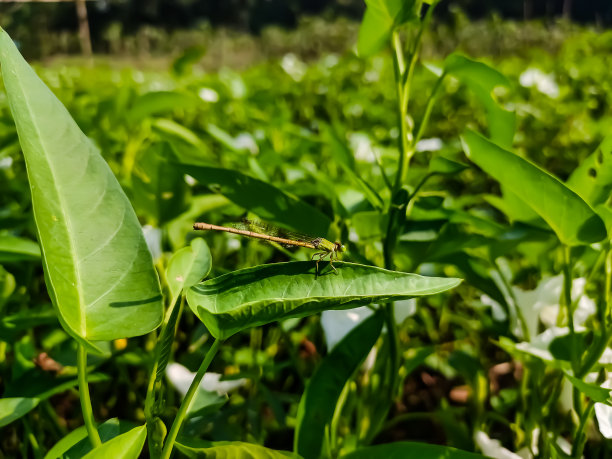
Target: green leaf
98 268
482 80
267 293
442 165
344 156
379 21
18 249
153 103
405 449
196 448
12 408
159 189
263 199
76 444
574 222
125 446
593 391
592 179
185 144
318 404
27 392
188 58
188 266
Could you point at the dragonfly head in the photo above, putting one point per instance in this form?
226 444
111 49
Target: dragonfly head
339 247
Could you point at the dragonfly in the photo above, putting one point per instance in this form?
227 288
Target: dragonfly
270 233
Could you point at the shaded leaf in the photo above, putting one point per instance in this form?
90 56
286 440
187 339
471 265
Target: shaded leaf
404 449
318 404
263 199
482 80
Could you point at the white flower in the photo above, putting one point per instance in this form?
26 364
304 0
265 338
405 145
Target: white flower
293 66
6 162
433 144
603 413
362 147
493 448
543 82
181 378
208 95
245 141
338 323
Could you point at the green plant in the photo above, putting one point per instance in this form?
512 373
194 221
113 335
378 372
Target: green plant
330 148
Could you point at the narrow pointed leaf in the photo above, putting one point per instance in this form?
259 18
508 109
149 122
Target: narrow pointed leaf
574 222
124 446
318 403
263 199
18 249
267 293
98 268
197 448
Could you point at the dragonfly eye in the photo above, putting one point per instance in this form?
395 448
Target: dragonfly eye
340 248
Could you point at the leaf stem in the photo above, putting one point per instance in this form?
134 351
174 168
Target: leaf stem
567 300
88 418
182 412
580 438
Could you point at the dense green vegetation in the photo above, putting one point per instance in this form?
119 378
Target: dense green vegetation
310 141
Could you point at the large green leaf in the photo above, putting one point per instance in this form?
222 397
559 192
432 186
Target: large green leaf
593 391
482 80
405 449
124 446
98 268
18 249
318 403
197 448
574 222
593 178
267 293
379 20
263 199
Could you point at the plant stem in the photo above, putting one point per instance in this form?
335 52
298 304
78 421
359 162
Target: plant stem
567 300
88 418
580 437
180 416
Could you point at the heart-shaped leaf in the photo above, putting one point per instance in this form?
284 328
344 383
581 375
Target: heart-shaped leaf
98 269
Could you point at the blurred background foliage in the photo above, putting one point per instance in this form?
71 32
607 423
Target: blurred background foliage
141 26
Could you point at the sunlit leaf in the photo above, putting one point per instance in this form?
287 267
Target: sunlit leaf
592 179
196 448
379 20
98 269
124 446
18 249
574 222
